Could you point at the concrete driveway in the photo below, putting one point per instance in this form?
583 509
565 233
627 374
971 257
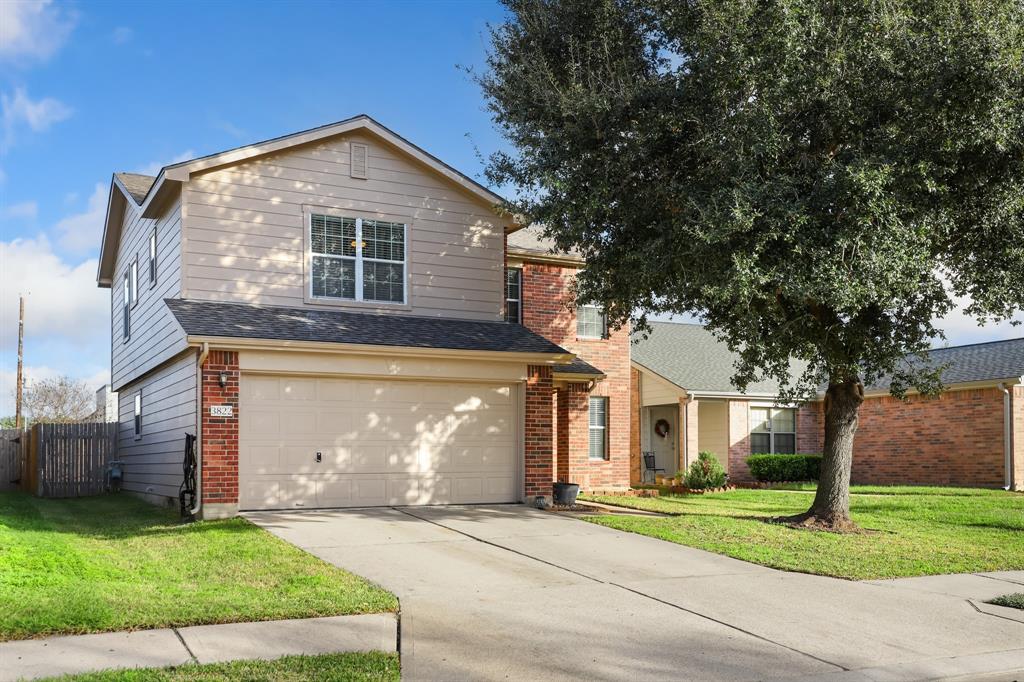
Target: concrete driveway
513 593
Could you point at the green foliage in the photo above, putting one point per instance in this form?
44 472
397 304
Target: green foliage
815 179
1013 601
785 467
113 562
916 531
705 472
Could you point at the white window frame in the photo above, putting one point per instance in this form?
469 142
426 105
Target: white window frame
137 415
359 260
134 270
772 449
517 301
126 306
152 259
603 427
603 333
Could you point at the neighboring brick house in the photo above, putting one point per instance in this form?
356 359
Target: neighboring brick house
591 397
972 434
325 311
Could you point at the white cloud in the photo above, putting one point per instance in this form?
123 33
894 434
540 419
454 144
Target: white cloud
122 34
26 210
154 167
81 232
20 111
32 30
961 328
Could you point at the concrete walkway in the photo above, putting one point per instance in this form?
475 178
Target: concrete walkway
35 658
508 592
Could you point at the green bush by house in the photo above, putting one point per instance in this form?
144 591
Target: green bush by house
785 467
705 472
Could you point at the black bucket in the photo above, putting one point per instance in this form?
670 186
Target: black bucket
565 494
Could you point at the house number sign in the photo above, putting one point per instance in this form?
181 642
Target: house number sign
222 410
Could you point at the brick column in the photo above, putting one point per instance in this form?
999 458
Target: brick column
538 436
220 436
1017 427
561 435
635 469
739 440
577 398
689 429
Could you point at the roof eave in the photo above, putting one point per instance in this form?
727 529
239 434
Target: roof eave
547 258
111 232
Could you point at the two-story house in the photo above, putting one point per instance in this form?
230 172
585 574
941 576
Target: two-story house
331 315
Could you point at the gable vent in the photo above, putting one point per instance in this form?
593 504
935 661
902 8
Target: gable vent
357 164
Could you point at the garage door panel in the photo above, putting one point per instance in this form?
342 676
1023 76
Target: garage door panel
386 442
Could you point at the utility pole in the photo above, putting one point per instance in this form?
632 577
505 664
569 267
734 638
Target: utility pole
21 349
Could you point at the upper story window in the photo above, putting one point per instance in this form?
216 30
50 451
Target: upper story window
514 295
772 430
134 284
126 296
598 419
355 259
152 258
591 322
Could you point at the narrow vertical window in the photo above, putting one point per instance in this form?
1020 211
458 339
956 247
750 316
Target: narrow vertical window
598 427
152 258
138 414
514 295
126 304
134 284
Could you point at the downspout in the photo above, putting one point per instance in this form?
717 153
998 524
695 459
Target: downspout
204 351
1007 437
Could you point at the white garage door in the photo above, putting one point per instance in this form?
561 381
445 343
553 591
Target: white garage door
327 442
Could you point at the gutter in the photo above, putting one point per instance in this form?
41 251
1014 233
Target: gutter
204 351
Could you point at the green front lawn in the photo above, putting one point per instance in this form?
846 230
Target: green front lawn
910 531
354 667
115 563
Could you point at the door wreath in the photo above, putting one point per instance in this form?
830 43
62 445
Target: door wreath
661 427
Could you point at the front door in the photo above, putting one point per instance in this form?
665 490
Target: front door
664 420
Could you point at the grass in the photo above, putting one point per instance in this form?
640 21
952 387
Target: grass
915 530
116 563
1014 601
352 667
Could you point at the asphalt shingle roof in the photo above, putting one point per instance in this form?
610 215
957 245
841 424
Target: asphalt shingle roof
237 320
690 357
974 362
137 185
578 366
531 241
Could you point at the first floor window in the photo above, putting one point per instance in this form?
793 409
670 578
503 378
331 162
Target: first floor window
126 305
598 427
513 295
590 322
772 430
138 414
357 260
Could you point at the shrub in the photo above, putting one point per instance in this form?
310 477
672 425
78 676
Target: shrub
785 467
706 472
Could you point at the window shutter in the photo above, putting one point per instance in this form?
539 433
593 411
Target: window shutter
357 166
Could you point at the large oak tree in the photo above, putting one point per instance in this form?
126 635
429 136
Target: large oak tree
815 179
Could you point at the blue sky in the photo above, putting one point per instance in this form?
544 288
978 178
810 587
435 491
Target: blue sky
91 88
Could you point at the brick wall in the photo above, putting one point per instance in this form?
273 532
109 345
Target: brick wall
548 310
538 435
809 428
739 440
220 434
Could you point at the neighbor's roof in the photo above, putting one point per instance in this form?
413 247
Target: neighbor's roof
530 241
989 361
691 358
245 321
137 185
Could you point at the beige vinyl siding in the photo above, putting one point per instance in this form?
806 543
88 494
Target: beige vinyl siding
155 336
245 229
657 391
713 429
153 463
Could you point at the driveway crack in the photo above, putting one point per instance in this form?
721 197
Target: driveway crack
185 644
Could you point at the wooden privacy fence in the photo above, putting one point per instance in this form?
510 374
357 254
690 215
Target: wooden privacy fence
67 460
11 459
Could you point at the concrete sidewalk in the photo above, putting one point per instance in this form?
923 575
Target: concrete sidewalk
34 658
509 592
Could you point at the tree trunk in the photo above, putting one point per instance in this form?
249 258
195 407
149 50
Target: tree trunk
831 508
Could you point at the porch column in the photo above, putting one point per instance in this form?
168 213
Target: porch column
577 398
562 434
688 430
538 435
1017 428
635 468
219 447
